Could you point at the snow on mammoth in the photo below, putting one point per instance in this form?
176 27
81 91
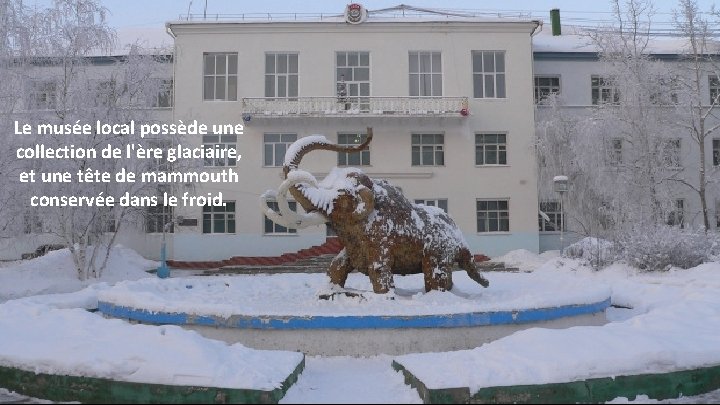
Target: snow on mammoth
382 231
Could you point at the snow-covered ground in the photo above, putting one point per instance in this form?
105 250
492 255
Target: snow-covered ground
297 295
675 320
55 273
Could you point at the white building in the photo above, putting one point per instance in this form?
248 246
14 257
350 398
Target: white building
449 100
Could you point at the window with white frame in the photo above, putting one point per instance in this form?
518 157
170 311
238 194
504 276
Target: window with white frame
219 219
714 85
352 77
271 228
490 149
104 220
488 74
671 153
353 159
493 216
428 149
425 74
106 93
676 217
554 216
219 142
42 96
164 97
274 148
546 86
220 72
716 151
281 75
615 152
603 91
441 203
157 217
717 215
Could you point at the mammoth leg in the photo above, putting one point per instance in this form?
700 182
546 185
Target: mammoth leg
438 276
381 277
339 269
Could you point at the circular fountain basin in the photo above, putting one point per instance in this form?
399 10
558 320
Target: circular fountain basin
284 312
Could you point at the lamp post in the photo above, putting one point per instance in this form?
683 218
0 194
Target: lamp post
560 185
163 271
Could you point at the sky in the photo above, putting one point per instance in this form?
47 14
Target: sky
146 18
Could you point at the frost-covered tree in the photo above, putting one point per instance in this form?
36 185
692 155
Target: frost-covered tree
50 54
697 115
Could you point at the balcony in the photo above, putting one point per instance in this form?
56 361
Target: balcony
355 107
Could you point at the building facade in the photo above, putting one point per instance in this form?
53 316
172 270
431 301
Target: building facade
447 99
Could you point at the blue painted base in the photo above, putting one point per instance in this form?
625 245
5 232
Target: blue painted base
355 322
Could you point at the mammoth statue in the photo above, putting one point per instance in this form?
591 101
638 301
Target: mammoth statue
382 231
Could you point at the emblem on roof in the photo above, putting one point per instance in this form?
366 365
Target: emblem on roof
355 13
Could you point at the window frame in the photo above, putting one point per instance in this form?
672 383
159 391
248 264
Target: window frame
436 148
155 221
502 149
266 221
274 147
715 152
166 89
434 202
364 156
225 142
418 75
480 73
672 154
277 75
538 97
597 85
227 76
488 220
229 217
353 101
714 89
555 215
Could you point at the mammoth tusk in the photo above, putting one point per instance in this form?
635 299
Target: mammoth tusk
290 218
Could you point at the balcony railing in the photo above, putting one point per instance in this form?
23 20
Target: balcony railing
356 106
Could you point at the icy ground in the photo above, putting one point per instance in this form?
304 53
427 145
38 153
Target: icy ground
371 380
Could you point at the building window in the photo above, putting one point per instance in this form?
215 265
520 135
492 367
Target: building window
717 214
603 91
490 149
428 149
716 151
488 74
275 146
554 216
219 219
219 142
441 203
616 152
352 77
714 84
671 153
546 86
493 216
42 96
157 217
164 97
273 228
159 164
32 224
106 93
220 76
104 221
676 217
353 159
425 74
281 75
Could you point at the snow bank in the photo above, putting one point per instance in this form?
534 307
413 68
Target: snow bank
522 259
297 295
677 328
86 344
55 273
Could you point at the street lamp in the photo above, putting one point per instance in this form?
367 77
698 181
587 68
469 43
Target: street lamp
560 185
163 271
